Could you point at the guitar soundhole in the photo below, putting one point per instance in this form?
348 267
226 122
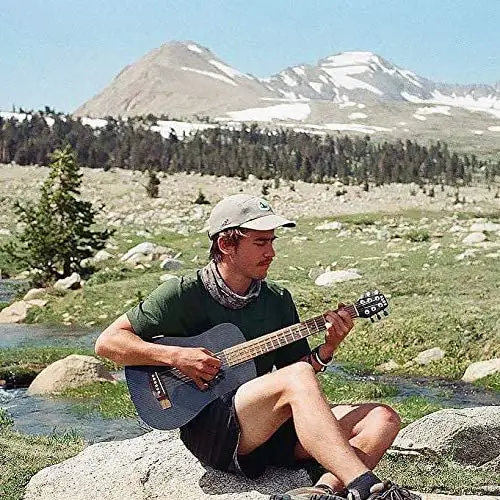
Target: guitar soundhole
159 391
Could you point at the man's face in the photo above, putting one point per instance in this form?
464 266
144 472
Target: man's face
253 254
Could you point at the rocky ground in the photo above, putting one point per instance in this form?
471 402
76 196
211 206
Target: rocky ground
126 202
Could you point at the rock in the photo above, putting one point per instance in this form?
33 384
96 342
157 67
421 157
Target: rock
329 226
474 238
430 355
390 366
35 293
468 254
71 282
17 312
101 256
485 226
145 248
481 369
153 466
73 371
470 436
331 277
171 264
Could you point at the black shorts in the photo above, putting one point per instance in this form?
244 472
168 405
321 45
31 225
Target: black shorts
213 435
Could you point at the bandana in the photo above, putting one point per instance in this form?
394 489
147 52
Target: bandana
220 292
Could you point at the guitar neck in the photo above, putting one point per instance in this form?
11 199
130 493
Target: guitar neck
280 338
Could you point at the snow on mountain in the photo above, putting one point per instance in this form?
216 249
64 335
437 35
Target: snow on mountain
184 80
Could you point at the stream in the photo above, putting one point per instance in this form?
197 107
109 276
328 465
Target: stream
45 415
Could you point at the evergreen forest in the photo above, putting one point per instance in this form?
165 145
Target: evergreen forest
265 153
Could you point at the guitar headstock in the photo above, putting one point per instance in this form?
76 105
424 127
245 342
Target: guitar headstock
371 305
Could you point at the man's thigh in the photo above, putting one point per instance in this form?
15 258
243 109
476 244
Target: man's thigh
261 409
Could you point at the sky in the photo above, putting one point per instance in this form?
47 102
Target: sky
60 53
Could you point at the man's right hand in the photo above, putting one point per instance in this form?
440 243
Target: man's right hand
198 363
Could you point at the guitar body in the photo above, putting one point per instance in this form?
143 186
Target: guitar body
166 401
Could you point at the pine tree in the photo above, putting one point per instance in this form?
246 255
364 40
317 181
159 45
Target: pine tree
57 232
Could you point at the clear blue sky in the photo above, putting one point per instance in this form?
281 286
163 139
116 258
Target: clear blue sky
62 52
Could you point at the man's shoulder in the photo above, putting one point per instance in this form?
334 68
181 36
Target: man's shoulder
180 285
275 289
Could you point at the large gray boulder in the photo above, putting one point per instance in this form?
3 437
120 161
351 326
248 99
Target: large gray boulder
470 436
72 371
153 466
157 466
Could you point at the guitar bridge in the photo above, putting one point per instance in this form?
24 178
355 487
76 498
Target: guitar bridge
159 391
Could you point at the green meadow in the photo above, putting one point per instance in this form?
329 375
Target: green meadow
436 298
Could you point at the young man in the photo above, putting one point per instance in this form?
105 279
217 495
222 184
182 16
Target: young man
280 417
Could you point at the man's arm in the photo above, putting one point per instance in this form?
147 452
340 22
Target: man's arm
119 343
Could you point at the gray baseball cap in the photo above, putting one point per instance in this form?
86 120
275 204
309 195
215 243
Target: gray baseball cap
246 211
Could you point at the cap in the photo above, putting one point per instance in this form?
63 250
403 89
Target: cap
246 211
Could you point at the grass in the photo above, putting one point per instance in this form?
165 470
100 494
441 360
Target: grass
26 362
435 300
23 456
437 475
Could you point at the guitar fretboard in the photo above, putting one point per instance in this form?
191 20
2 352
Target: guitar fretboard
274 340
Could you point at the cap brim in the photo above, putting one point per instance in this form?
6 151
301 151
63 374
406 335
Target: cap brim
268 222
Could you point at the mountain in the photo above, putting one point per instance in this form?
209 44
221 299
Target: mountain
356 91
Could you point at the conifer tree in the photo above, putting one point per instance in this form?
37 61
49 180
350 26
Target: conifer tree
57 233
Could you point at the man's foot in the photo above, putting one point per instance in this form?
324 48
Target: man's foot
386 491
318 492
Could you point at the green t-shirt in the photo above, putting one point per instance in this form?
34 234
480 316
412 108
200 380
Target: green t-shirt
183 308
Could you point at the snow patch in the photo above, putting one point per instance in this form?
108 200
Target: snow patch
293 111
291 96
341 76
288 80
94 122
357 116
180 128
477 132
368 129
347 104
430 110
317 86
211 75
194 48
350 58
490 104
494 128
6 115
419 117
231 72
299 70
361 105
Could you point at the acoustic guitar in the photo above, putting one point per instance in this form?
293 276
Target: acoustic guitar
165 398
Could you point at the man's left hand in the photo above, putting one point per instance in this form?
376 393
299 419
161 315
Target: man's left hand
340 325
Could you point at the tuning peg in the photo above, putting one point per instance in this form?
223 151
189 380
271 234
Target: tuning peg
372 320
378 316
386 312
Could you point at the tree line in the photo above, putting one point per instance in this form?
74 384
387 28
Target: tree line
265 153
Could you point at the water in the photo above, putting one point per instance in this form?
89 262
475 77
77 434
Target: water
9 288
45 415
448 393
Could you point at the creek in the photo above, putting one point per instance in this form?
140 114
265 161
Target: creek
45 415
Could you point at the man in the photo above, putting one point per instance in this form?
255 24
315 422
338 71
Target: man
280 417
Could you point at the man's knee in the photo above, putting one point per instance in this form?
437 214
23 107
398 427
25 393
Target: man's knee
299 380
386 418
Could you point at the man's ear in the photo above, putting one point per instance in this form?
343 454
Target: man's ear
225 246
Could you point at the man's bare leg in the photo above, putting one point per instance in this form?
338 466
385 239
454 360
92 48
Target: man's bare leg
371 428
264 404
